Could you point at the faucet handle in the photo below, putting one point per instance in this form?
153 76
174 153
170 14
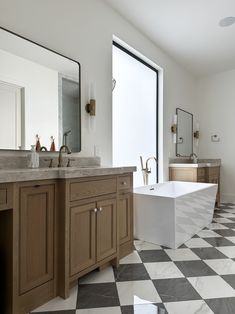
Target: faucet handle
69 161
51 162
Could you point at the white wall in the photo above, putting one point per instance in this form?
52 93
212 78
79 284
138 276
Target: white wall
41 96
216 101
83 30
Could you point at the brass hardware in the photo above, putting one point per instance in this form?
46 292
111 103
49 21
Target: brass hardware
124 183
196 134
174 128
60 154
100 209
146 171
90 108
95 210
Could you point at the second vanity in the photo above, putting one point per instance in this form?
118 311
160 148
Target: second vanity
205 170
56 225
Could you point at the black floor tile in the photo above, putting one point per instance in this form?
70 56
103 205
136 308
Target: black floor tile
129 272
97 295
230 279
208 253
151 256
226 232
228 225
144 309
57 312
222 305
219 241
174 290
195 268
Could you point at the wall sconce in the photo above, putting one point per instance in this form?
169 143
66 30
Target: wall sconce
174 128
90 108
196 134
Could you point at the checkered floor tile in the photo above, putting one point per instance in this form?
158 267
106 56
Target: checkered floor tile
199 277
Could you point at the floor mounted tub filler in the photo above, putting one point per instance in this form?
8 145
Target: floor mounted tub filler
171 213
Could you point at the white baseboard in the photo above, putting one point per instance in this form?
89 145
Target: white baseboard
228 198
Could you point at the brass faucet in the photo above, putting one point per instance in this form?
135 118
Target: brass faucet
60 154
146 171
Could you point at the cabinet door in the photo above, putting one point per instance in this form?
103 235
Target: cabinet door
125 218
106 228
82 237
36 250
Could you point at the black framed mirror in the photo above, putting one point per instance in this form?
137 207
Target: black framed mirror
184 133
40 94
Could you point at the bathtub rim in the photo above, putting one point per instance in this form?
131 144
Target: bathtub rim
207 186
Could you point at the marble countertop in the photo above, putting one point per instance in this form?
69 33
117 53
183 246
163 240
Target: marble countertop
17 175
200 164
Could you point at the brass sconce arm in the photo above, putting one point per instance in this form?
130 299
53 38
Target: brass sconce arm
91 107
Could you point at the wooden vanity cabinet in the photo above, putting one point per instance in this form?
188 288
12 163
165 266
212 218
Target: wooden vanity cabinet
201 174
35 249
96 225
125 209
92 234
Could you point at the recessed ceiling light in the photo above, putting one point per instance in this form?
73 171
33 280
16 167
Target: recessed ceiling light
227 21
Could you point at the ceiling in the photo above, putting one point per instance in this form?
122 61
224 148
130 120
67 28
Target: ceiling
187 30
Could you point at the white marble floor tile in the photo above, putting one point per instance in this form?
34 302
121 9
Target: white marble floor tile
188 307
214 226
208 234
59 304
163 270
232 210
221 266
132 258
223 220
137 292
197 242
182 255
232 239
227 250
105 275
227 215
210 287
142 245
101 310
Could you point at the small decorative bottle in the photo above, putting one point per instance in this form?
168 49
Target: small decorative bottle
38 145
52 149
33 158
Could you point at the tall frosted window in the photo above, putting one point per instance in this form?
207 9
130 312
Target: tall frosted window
134 113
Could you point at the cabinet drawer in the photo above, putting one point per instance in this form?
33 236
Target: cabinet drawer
6 197
201 172
124 182
83 190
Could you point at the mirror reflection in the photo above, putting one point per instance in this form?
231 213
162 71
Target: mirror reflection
184 134
39 96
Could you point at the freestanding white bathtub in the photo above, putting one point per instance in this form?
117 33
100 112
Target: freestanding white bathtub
171 213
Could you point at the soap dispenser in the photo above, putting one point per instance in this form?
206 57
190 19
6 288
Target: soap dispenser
33 158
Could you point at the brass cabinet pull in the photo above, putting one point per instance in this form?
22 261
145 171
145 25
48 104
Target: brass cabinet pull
37 185
95 210
124 183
